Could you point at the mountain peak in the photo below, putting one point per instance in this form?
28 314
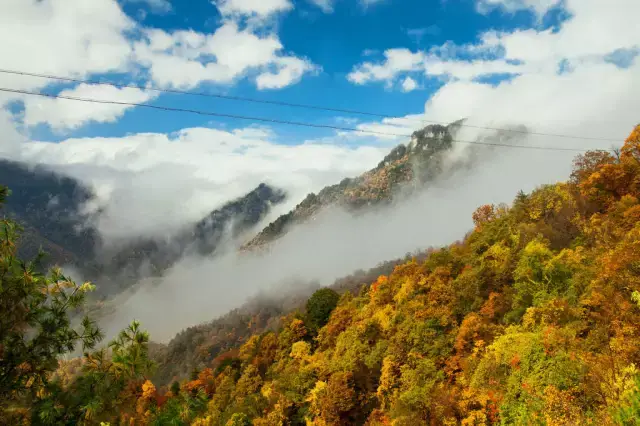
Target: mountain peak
418 161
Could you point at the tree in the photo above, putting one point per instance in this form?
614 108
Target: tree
35 325
130 352
319 307
112 383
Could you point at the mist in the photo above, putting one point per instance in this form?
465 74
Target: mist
335 243
155 185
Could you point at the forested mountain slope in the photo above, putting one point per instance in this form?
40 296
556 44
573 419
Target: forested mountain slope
152 256
198 346
532 319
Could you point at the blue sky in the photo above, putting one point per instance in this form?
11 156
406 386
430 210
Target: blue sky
335 42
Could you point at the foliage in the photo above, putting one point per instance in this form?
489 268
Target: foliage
36 330
319 307
35 325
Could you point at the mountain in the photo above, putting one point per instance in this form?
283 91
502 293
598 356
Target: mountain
531 319
151 257
404 169
49 207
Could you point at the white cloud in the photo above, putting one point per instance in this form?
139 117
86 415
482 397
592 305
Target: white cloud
593 31
289 70
156 6
259 8
325 5
198 169
11 140
62 37
596 28
386 132
597 101
396 61
186 58
409 85
64 114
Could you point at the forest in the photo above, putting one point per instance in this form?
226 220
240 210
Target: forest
531 319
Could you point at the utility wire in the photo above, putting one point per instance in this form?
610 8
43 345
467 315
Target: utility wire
271 120
281 103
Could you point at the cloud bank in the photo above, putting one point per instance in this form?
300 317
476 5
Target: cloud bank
154 184
335 244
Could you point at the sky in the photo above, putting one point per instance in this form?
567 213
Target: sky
555 66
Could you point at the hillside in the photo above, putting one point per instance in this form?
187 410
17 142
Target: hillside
49 206
151 257
532 319
198 346
405 167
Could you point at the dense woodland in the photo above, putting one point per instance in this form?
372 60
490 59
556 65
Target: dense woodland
532 319
197 346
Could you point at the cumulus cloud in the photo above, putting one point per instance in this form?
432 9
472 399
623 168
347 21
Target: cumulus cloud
64 114
409 85
289 70
70 38
11 140
396 61
593 32
259 8
79 39
187 58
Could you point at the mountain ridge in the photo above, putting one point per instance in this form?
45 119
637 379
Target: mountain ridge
49 207
417 162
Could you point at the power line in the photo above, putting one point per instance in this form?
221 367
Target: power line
271 120
288 104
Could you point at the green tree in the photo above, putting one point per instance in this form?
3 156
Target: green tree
35 325
107 386
130 353
319 307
